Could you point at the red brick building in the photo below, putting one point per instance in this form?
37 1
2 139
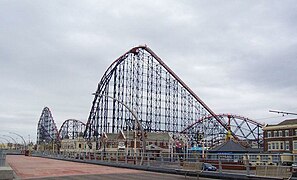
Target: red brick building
281 138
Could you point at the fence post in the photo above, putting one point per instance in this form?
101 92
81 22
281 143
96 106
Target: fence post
266 170
148 159
248 170
247 165
220 165
126 158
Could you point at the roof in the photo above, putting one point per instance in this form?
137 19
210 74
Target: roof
234 147
151 136
288 122
195 148
158 136
229 146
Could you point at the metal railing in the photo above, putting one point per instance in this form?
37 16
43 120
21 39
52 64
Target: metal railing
239 163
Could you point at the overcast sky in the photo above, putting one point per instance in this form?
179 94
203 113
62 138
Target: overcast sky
239 57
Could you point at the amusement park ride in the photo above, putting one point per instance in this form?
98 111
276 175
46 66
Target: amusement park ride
162 102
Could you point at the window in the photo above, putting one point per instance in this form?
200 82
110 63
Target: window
281 145
264 157
295 145
269 146
268 133
253 157
280 133
275 134
295 132
295 158
276 145
79 145
286 133
275 158
287 145
273 145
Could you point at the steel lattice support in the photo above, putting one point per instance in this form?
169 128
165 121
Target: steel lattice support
47 130
71 129
141 80
247 130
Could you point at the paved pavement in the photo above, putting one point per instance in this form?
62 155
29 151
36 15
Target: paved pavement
41 168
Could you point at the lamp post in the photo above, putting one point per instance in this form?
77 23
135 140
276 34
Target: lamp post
13 140
136 120
20 137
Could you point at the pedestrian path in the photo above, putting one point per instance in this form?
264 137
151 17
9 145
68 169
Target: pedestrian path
27 167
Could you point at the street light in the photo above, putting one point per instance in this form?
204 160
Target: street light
13 140
136 119
20 137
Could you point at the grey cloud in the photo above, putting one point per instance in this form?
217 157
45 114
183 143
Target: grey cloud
238 56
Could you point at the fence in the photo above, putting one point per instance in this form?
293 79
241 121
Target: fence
274 171
231 163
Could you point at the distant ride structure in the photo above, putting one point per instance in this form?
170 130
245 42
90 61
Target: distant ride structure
71 129
46 130
248 131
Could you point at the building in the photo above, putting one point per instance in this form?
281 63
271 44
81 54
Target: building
231 151
121 144
76 146
129 141
282 139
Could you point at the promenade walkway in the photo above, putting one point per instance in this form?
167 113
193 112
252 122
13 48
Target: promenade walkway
42 168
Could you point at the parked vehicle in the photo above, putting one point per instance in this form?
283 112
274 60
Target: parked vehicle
208 167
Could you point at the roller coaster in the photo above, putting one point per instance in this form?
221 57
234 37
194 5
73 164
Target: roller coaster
162 102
